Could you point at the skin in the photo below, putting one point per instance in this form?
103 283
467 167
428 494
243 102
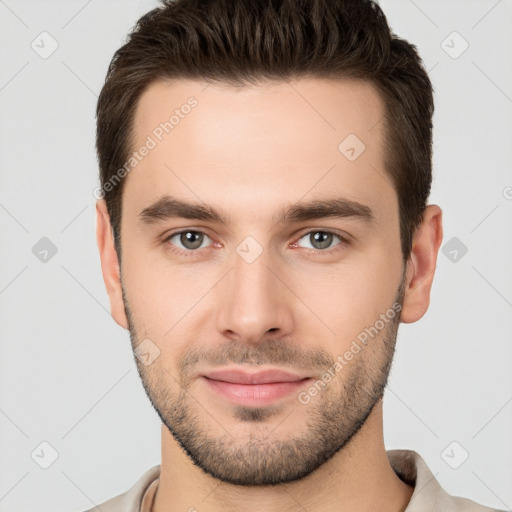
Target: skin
249 152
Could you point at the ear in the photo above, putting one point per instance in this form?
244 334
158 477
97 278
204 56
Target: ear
421 265
109 263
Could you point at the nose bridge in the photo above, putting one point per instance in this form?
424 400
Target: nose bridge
252 301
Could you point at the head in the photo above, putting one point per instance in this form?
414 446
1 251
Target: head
229 136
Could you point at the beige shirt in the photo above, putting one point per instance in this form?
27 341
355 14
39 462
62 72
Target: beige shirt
428 495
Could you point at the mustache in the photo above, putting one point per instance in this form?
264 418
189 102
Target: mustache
272 351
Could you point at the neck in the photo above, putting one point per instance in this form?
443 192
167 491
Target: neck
358 478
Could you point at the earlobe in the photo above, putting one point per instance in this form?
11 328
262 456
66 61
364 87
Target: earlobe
421 265
110 263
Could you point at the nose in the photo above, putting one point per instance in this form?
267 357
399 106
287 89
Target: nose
253 302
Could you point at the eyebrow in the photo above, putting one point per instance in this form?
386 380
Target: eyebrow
168 207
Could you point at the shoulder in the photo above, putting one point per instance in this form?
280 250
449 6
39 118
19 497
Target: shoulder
428 493
130 501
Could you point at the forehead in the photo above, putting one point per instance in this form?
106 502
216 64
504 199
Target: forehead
327 108
274 140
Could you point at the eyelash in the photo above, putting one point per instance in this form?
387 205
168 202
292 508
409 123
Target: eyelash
193 252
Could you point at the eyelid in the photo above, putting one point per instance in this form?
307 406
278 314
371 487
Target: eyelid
186 252
342 235
345 239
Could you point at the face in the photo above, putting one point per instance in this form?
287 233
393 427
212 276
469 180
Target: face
261 263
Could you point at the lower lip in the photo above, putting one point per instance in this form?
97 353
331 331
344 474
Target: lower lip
254 394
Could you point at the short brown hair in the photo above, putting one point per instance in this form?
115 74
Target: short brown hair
240 42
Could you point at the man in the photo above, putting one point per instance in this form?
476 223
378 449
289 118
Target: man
263 228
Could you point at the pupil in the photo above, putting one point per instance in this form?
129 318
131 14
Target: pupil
187 239
322 239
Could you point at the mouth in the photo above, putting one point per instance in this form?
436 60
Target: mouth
254 389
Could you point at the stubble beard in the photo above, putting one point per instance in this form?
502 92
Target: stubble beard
335 415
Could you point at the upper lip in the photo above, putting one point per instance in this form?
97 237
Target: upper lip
260 377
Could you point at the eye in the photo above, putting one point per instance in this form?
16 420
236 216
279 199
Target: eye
189 239
321 240
188 242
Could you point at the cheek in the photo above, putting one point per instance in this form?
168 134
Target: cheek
148 292
165 298
351 297
329 301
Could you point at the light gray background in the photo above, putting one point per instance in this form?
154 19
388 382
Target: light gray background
67 375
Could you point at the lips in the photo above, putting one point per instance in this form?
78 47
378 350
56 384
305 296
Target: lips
254 389
261 377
